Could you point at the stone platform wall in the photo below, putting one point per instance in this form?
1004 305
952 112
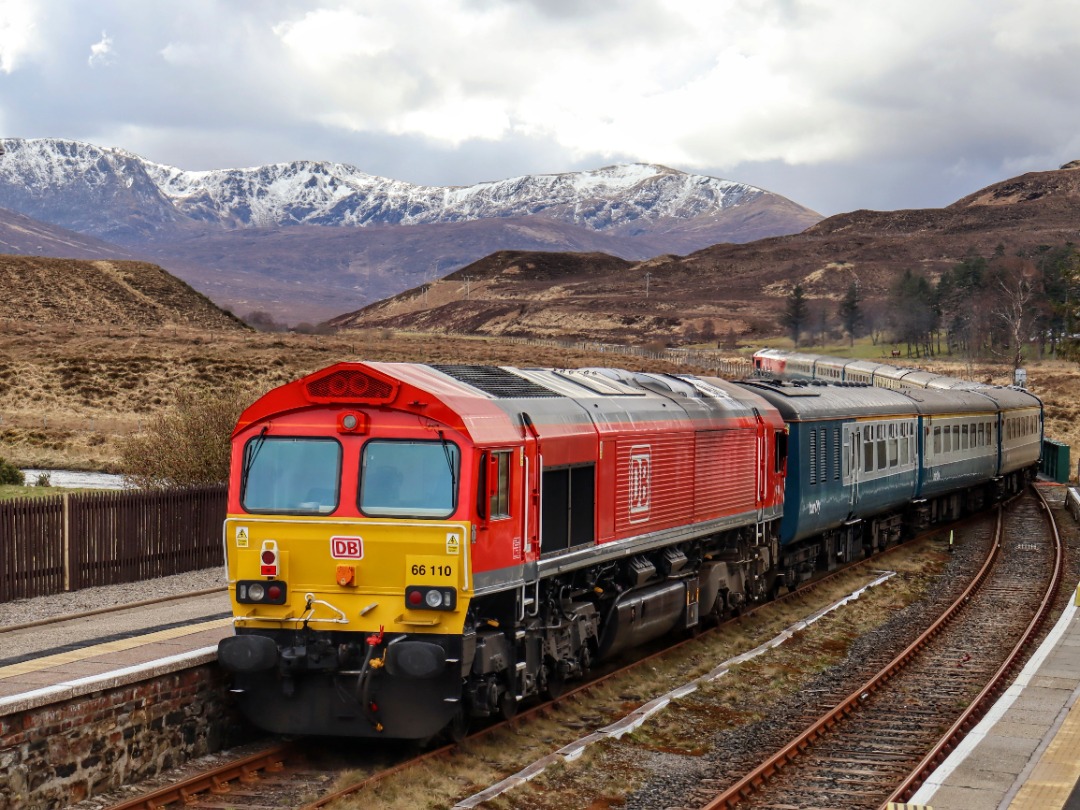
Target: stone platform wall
64 752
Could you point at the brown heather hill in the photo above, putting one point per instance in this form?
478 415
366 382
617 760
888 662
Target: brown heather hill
740 288
129 295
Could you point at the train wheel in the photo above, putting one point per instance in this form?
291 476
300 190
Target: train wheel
508 705
458 727
556 682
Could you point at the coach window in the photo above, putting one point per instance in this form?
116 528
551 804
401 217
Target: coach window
882 457
868 449
937 439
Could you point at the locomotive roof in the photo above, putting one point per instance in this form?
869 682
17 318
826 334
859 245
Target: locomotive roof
496 403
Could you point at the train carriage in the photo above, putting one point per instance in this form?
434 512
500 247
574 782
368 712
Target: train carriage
829 369
860 371
1020 429
915 378
411 545
957 446
852 457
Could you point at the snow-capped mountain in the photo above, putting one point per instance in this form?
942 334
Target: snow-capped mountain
308 240
114 194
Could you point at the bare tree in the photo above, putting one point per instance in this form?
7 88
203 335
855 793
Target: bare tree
795 314
188 445
1018 286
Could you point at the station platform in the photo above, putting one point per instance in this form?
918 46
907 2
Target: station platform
1025 753
57 659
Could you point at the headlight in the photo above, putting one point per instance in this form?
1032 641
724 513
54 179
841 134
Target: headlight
265 592
424 597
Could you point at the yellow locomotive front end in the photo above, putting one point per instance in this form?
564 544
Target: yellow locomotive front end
347 549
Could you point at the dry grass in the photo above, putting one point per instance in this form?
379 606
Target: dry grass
67 394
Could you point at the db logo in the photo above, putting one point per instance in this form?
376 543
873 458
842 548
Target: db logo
347 548
640 482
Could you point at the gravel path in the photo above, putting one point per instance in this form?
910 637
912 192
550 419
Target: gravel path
21 611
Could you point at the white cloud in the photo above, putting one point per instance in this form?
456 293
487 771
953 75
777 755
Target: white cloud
18 33
101 52
690 82
714 85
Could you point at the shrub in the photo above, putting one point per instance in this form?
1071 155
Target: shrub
10 475
187 445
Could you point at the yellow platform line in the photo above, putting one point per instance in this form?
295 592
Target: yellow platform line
59 659
1055 774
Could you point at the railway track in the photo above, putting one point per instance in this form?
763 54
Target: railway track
291 769
870 746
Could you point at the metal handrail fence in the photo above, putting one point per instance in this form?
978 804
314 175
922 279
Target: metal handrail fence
72 541
719 362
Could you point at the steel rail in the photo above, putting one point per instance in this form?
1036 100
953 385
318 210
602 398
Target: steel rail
213 781
997 685
752 781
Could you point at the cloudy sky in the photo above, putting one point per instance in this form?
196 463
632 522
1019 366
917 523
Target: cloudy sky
837 104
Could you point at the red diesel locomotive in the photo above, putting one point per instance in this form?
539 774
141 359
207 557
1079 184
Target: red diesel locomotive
410 546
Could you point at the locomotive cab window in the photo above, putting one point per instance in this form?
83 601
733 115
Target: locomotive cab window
500 490
409 479
290 475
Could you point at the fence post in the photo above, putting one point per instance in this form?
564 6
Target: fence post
66 521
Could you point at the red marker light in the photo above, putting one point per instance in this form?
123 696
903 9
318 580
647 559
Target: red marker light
274 592
269 559
415 598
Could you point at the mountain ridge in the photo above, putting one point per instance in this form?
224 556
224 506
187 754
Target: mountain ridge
737 290
338 194
308 240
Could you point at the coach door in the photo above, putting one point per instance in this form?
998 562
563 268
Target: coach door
853 454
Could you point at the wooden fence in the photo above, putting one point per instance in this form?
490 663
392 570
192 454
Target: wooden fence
72 541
